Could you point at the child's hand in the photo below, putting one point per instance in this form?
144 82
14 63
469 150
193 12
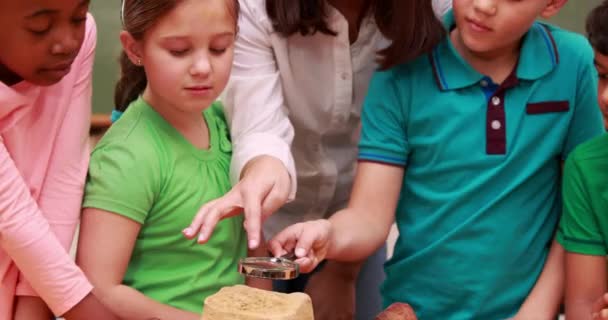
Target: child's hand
600 308
309 241
263 189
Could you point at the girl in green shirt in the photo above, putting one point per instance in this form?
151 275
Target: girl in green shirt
165 157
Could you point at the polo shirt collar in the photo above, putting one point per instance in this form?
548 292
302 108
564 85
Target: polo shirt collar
538 57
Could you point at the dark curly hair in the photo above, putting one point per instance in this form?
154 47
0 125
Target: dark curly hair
597 28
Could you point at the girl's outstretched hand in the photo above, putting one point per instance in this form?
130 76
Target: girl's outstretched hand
310 241
600 308
263 189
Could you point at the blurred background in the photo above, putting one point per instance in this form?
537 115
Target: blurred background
107 15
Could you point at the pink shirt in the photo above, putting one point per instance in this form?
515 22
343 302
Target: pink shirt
43 164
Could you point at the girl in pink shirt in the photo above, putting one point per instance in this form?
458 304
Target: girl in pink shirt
46 59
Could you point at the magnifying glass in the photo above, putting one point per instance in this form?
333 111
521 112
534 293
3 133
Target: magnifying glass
276 268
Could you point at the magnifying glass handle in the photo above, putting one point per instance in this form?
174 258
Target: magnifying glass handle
289 256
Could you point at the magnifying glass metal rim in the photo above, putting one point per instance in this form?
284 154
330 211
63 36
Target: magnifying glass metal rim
282 268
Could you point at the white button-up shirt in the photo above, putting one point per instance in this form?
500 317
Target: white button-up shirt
312 86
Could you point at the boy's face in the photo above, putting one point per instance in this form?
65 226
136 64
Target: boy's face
488 27
601 64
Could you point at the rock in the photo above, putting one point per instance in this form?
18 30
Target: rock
398 311
246 303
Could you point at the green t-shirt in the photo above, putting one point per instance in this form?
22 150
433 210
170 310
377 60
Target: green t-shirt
145 170
584 224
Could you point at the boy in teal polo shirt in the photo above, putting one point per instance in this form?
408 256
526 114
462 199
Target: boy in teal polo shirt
463 149
584 226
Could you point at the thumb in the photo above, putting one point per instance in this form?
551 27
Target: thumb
600 303
308 239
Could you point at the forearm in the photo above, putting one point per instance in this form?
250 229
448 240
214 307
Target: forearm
581 309
585 283
89 308
31 308
347 271
130 304
546 296
355 235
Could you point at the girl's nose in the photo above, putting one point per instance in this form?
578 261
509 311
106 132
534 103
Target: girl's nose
488 7
67 41
201 66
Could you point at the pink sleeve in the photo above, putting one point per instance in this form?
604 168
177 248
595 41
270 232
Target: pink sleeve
53 274
29 241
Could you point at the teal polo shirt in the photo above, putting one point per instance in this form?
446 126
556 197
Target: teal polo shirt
480 197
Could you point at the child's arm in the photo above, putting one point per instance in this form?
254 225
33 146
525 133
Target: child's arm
585 282
351 234
360 229
546 296
31 308
261 132
105 245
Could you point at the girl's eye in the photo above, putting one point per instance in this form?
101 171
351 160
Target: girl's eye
178 53
40 32
602 76
40 29
218 51
79 20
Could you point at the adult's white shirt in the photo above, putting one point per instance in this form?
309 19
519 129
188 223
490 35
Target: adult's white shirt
310 86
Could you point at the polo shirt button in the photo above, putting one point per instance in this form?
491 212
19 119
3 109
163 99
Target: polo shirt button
483 83
496 101
496 125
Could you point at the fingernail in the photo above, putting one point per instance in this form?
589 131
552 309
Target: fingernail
253 244
188 232
300 252
201 238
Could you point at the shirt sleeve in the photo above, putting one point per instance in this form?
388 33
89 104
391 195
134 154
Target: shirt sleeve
254 101
61 193
579 229
28 239
124 179
586 122
383 134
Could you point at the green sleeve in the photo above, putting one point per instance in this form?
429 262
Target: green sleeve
579 229
124 179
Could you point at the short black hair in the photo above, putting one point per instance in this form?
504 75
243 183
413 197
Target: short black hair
597 28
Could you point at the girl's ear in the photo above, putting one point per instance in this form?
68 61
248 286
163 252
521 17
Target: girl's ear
553 7
131 47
